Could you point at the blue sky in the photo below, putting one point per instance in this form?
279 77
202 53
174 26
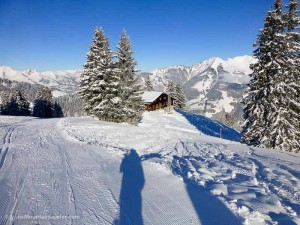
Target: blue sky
55 34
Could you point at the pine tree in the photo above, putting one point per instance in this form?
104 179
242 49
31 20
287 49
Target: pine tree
179 97
259 97
110 108
43 104
107 102
93 85
130 90
149 85
100 83
57 110
19 105
170 89
15 104
4 103
286 126
268 104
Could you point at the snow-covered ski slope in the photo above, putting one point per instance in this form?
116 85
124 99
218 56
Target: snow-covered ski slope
166 170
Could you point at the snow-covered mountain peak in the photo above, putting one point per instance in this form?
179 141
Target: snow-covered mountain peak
6 70
31 71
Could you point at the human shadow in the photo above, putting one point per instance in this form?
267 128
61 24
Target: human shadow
210 127
209 209
131 190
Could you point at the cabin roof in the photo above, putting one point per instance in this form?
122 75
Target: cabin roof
151 96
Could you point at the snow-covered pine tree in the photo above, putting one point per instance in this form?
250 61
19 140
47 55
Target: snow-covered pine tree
100 83
170 89
92 84
4 103
43 104
259 97
266 111
130 89
19 105
149 85
285 127
111 107
179 97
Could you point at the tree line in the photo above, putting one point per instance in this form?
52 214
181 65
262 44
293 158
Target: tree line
16 103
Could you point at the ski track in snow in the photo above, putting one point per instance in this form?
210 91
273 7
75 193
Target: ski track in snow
71 167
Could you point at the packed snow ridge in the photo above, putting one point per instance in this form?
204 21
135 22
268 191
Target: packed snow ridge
170 169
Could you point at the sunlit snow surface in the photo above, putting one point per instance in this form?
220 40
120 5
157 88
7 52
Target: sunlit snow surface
163 171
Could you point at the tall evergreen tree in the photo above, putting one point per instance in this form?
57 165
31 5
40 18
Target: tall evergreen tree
179 97
57 110
170 89
130 93
100 83
268 123
5 98
149 85
98 65
19 105
15 104
286 126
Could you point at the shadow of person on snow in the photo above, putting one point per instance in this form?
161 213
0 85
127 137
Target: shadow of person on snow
209 209
131 190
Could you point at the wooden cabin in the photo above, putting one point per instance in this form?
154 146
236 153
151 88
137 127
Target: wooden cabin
155 100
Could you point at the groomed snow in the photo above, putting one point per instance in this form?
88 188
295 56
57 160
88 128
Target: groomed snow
163 171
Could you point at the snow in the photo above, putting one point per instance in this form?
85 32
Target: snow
239 64
226 103
236 69
173 166
150 96
203 86
57 93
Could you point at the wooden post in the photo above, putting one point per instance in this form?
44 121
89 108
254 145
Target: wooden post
221 128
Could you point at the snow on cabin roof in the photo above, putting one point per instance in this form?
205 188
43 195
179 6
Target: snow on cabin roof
151 96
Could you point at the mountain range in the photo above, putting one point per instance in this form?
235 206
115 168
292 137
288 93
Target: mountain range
61 82
213 87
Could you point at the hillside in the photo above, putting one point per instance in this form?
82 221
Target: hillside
173 166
